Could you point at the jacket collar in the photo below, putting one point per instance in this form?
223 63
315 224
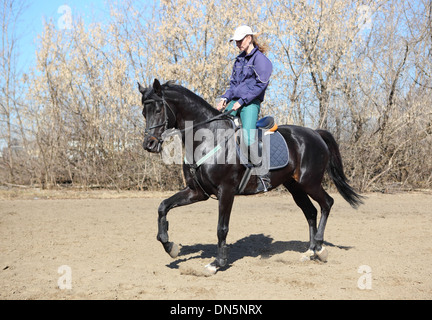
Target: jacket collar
252 52
244 55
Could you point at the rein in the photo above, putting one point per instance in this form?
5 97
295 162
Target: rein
227 113
167 124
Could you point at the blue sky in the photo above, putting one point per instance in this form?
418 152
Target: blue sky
38 11
30 25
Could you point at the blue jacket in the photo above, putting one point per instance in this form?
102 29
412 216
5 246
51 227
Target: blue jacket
250 77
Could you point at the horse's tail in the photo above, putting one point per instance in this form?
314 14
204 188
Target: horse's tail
336 172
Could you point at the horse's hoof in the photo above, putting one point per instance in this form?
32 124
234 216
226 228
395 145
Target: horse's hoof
307 256
174 252
210 269
322 254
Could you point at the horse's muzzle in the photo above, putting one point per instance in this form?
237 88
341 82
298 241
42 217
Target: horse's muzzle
152 144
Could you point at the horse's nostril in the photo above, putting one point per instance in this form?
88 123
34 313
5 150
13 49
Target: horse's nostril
151 144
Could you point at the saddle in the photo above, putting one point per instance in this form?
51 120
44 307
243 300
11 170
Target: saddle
272 147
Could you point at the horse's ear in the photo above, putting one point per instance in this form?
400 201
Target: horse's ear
157 87
141 88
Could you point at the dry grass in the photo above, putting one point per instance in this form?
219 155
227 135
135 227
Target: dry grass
36 194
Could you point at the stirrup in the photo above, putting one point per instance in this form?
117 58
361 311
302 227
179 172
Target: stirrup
265 183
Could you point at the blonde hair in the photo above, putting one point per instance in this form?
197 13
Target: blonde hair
262 46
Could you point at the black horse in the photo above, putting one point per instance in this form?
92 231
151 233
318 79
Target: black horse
312 152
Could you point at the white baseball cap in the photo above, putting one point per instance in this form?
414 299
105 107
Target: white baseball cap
242 32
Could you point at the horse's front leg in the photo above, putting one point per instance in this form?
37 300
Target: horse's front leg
226 200
182 198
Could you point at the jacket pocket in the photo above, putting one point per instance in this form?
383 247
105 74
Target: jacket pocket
249 76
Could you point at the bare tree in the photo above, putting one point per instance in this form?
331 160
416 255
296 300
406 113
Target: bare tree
11 140
362 70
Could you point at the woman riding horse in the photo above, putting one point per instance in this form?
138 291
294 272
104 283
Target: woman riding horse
249 81
312 153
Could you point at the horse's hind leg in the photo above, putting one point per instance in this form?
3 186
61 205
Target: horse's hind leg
302 200
182 198
325 202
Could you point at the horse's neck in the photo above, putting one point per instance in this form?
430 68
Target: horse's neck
193 114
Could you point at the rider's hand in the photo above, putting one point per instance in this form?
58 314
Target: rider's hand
236 106
221 105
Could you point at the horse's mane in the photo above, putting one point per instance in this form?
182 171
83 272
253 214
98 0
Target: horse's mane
194 98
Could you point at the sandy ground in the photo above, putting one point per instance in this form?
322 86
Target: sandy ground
109 248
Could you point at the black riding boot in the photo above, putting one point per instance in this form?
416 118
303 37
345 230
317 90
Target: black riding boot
263 180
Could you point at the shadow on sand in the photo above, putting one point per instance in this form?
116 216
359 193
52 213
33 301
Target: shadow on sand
255 245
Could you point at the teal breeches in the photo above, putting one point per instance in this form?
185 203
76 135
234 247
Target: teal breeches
249 117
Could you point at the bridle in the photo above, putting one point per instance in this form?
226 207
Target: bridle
167 123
